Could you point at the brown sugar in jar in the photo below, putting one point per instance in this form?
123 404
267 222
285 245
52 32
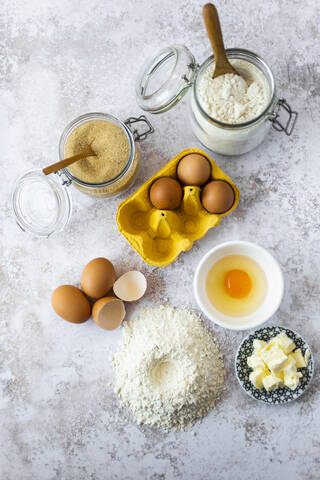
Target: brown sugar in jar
109 143
115 165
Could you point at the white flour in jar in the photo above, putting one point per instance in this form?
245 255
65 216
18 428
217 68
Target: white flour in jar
232 98
169 371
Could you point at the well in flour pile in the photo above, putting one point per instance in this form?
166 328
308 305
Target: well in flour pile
169 371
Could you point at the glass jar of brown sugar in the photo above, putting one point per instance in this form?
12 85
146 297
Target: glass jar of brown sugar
115 166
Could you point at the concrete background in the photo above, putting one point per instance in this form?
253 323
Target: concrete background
59 417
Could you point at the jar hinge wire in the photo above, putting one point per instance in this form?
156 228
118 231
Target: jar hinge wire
136 135
292 117
66 182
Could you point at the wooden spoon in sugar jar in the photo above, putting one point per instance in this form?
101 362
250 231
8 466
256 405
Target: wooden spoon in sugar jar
212 23
88 152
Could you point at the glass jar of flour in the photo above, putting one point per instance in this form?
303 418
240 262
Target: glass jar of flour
221 121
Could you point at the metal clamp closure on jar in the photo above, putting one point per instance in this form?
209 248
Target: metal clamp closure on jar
275 117
193 68
66 182
136 135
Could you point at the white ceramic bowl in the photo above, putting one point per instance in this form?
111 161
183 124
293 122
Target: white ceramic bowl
275 284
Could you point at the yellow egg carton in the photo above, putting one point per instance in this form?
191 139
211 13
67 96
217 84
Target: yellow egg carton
159 236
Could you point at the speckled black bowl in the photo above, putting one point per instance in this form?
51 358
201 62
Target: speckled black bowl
279 395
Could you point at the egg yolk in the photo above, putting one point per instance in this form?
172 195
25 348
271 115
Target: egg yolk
237 283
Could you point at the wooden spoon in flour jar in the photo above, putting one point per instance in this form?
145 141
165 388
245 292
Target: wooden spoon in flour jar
211 20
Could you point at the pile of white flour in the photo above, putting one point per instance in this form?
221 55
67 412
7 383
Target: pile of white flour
169 371
232 98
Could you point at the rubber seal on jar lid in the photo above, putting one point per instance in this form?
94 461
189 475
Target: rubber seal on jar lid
41 204
165 78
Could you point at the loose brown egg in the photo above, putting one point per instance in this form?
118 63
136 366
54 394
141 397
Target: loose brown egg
71 304
194 170
217 196
166 193
98 277
108 312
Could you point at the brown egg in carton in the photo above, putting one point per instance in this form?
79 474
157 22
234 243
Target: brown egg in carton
159 235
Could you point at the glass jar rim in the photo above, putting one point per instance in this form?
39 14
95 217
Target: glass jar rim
251 57
85 118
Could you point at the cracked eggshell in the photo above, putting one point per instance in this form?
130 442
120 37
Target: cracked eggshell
131 286
98 277
108 312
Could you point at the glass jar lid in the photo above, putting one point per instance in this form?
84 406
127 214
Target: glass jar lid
41 204
165 78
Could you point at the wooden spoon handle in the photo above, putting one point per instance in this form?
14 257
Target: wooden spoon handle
68 161
212 23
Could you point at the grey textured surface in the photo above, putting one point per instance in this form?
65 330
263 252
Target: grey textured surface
59 417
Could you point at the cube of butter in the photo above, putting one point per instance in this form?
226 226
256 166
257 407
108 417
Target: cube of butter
269 345
258 345
256 362
292 381
271 382
280 375
307 355
269 354
256 377
290 364
300 361
284 342
290 367
277 362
